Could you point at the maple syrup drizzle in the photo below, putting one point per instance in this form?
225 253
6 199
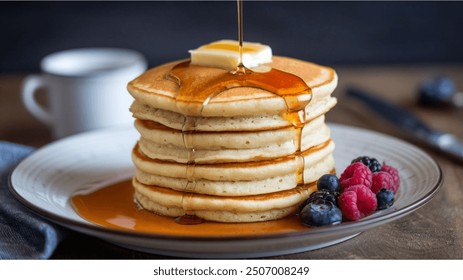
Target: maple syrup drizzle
240 69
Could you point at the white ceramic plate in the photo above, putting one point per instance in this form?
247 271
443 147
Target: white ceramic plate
46 180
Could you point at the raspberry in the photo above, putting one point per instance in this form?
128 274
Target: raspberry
382 180
372 163
356 174
395 176
356 202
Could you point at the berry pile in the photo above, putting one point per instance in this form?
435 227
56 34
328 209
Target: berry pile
364 187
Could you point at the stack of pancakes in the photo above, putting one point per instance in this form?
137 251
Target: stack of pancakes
236 159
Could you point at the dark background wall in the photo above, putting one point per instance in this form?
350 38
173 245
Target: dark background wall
324 32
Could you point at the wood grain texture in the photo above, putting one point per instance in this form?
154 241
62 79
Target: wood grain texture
434 231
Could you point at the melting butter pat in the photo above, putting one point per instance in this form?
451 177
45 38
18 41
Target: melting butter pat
225 54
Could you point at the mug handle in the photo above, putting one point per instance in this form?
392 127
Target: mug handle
29 88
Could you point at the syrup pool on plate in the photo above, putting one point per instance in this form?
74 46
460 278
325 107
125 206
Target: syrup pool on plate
113 207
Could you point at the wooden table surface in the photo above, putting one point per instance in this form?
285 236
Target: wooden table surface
434 231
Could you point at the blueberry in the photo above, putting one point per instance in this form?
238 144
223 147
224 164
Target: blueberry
385 199
320 213
372 163
329 182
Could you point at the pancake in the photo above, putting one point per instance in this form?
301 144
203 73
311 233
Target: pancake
154 90
221 209
318 107
255 170
160 142
234 178
237 155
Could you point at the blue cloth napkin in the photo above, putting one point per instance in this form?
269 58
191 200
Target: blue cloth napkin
23 234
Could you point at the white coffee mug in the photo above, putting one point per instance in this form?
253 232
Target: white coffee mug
86 89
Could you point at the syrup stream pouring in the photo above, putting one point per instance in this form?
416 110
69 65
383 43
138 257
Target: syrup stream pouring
411 124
